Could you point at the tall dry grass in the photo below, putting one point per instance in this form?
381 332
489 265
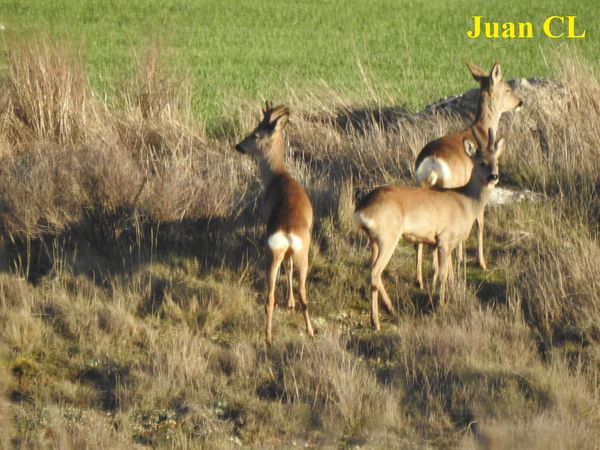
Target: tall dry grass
46 95
66 152
131 294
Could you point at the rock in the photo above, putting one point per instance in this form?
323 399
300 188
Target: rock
544 101
540 97
501 196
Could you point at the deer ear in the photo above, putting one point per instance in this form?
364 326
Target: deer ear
499 147
470 148
476 71
281 121
496 73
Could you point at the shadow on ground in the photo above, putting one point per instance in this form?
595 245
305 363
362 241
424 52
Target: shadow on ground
104 244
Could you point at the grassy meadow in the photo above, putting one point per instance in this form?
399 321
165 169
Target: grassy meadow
131 262
402 53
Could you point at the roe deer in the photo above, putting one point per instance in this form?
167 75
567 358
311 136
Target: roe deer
436 216
443 162
287 210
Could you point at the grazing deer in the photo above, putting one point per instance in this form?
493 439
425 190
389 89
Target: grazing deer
287 210
436 216
443 163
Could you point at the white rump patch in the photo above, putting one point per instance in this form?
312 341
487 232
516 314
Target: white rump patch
295 242
281 241
361 220
278 240
429 165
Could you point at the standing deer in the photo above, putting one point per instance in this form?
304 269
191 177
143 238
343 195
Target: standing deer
287 210
435 216
443 163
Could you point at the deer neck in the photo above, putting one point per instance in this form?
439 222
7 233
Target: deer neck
477 195
272 164
488 115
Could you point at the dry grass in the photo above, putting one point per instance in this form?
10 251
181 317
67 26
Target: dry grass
132 287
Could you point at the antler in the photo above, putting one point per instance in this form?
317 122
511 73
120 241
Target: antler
477 136
267 108
480 144
491 140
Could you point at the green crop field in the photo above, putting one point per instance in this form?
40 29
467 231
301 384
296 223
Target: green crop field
405 53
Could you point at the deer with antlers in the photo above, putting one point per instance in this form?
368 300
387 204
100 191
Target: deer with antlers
445 164
287 210
435 216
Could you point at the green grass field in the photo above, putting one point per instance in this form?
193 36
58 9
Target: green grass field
404 53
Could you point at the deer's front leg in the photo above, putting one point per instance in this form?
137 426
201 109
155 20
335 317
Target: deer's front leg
480 240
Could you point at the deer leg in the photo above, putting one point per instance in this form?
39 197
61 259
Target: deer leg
272 270
303 271
374 251
419 248
436 266
289 271
460 255
374 288
444 257
450 267
480 240
384 254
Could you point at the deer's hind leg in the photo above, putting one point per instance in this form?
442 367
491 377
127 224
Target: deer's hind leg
289 271
272 270
302 273
381 255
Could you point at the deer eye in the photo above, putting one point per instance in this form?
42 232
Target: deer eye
256 136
